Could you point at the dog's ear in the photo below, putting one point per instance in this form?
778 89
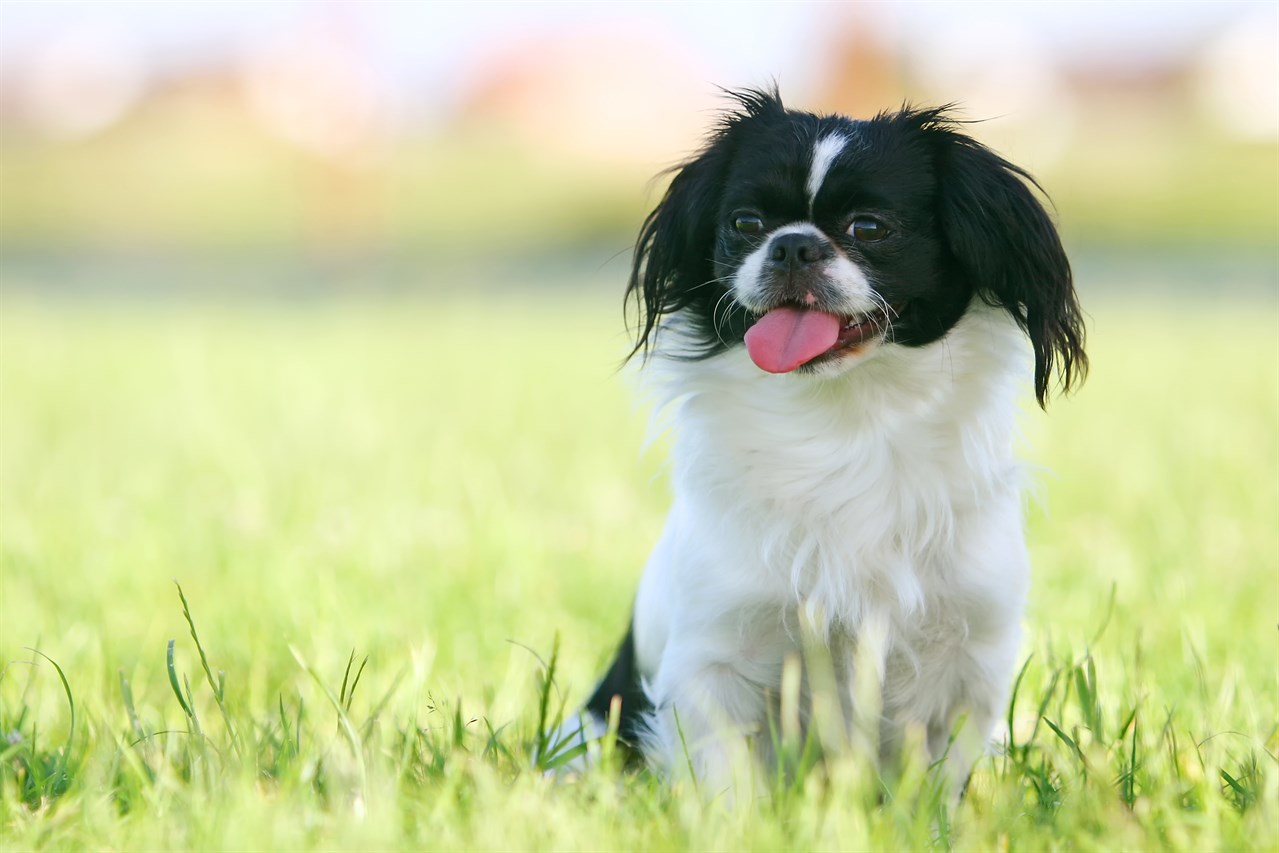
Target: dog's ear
673 267
1007 247
674 253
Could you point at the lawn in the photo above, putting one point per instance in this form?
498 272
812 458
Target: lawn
385 514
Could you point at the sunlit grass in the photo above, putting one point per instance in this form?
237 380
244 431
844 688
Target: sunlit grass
374 508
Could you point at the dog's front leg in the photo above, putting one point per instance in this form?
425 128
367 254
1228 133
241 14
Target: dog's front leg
709 723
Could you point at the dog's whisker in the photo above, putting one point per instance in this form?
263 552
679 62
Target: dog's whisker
724 317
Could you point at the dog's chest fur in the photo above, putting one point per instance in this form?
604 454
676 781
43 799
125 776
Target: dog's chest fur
864 496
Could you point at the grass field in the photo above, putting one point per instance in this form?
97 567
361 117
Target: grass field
443 489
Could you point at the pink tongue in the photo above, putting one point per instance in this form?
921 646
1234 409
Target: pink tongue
785 338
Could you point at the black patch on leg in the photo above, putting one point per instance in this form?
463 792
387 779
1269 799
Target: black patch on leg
623 679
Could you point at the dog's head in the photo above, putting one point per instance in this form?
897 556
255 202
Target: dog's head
813 240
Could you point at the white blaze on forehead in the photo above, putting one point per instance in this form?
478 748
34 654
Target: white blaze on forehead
824 154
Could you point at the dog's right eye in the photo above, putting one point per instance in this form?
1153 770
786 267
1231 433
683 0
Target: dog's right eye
748 223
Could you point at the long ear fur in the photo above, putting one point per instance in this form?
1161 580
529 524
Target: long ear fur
673 253
673 266
1007 247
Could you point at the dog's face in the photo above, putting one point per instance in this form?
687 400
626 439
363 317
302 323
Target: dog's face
828 238
813 240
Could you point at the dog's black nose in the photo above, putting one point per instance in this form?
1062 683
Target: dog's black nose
798 249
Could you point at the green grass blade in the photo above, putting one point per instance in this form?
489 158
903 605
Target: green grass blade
60 776
174 683
1068 740
216 685
344 721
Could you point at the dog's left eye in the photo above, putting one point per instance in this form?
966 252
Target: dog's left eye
867 229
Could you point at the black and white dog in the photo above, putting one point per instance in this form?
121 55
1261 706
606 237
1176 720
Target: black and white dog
835 316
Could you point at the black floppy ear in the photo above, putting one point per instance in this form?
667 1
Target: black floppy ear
673 256
673 268
1008 249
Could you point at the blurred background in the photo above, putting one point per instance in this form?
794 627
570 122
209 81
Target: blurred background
303 147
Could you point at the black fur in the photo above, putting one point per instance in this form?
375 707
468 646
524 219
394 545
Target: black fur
622 679
965 223
1007 248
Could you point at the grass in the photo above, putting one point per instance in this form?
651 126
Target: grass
381 517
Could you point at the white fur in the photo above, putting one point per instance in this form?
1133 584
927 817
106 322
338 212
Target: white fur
847 277
886 494
825 151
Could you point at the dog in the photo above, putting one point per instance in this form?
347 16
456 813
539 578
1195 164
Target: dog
839 318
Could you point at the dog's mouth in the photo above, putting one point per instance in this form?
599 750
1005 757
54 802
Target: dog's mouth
790 336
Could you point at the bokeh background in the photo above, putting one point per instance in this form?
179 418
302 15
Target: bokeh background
300 147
